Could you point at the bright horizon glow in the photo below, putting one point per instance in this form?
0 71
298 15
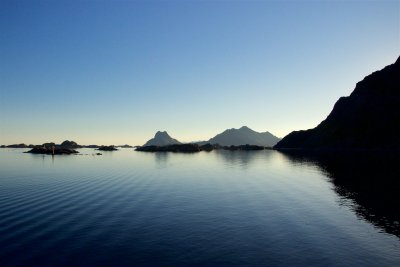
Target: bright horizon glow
115 72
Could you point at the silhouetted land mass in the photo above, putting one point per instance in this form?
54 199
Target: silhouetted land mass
125 146
243 147
66 147
170 148
243 136
65 144
50 144
18 146
162 139
196 148
107 148
70 144
51 150
367 119
91 146
369 179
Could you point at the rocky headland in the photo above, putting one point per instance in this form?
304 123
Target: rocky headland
368 119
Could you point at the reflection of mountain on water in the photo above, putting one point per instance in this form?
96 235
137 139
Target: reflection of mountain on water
242 158
370 181
161 159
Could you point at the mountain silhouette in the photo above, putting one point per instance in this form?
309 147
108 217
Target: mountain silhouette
162 139
367 119
243 136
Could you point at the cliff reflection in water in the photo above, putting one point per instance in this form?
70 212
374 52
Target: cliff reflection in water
370 181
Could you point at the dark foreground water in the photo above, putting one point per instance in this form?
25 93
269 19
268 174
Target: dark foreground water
258 208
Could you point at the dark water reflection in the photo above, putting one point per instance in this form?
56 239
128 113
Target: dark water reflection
161 159
370 181
241 158
222 208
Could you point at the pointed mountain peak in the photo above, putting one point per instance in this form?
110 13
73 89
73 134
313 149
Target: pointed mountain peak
161 138
245 128
161 134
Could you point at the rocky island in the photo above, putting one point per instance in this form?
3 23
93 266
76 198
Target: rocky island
66 147
107 148
52 150
70 144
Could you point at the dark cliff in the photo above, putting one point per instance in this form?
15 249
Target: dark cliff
367 119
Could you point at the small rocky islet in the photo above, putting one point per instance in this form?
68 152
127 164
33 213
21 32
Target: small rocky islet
52 150
107 148
67 147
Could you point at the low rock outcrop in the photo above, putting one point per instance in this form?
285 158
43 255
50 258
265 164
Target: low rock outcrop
107 148
196 148
171 148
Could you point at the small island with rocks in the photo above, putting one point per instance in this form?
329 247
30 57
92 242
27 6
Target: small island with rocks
52 149
107 148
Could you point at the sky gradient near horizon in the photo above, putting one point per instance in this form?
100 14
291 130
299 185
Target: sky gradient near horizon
115 72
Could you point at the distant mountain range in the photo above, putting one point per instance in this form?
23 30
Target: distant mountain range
367 119
162 139
244 136
230 137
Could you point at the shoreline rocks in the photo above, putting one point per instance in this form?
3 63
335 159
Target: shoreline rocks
52 151
192 148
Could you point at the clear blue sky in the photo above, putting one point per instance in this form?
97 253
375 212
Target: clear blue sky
115 72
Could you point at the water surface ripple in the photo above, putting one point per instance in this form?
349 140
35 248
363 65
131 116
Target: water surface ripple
220 208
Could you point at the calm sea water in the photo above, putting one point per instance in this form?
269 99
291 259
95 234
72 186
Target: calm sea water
223 208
